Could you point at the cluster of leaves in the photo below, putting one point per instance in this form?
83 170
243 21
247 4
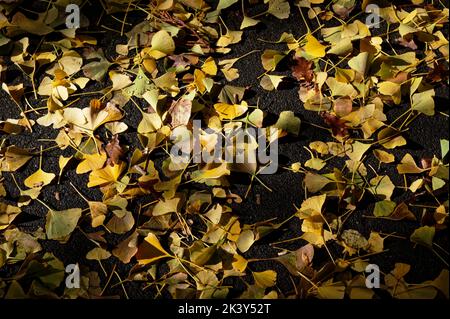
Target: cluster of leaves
186 242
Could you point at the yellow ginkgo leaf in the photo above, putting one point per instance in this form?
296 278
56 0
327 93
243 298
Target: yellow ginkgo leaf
98 213
91 162
383 156
39 179
162 44
150 250
230 111
87 121
230 73
199 80
270 59
265 279
166 206
212 173
105 176
358 150
150 123
408 166
313 47
14 158
60 224
63 161
98 253
248 22
239 263
7 214
209 67
312 205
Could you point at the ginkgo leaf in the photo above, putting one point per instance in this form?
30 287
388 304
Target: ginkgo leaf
167 82
223 4
408 166
271 82
360 63
91 162
119 80
248 22
384 208
246 240
376 242
150 123
121 222
231 37
270 59
126 249
265 279
98 212
96 70
179 225
340 88
358 150
402 212
60 224
315 182
330 290
201 255
71 62
98 254
315 163
162 44
298 260
256 118
116 127
416 185
141 84
150 250
382 186
390 138
383 156
212 173
313 47
423 102
39 179
210 66
231 94
63 161
441 282
37 27
444 147
166 206
7 214
288 122
15 158
180 112
279 9
230 111
239 263
88 121
107 175
313 204
437 183
392 90
424 236
230 73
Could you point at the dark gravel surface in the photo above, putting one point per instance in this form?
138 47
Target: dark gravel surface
423 141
